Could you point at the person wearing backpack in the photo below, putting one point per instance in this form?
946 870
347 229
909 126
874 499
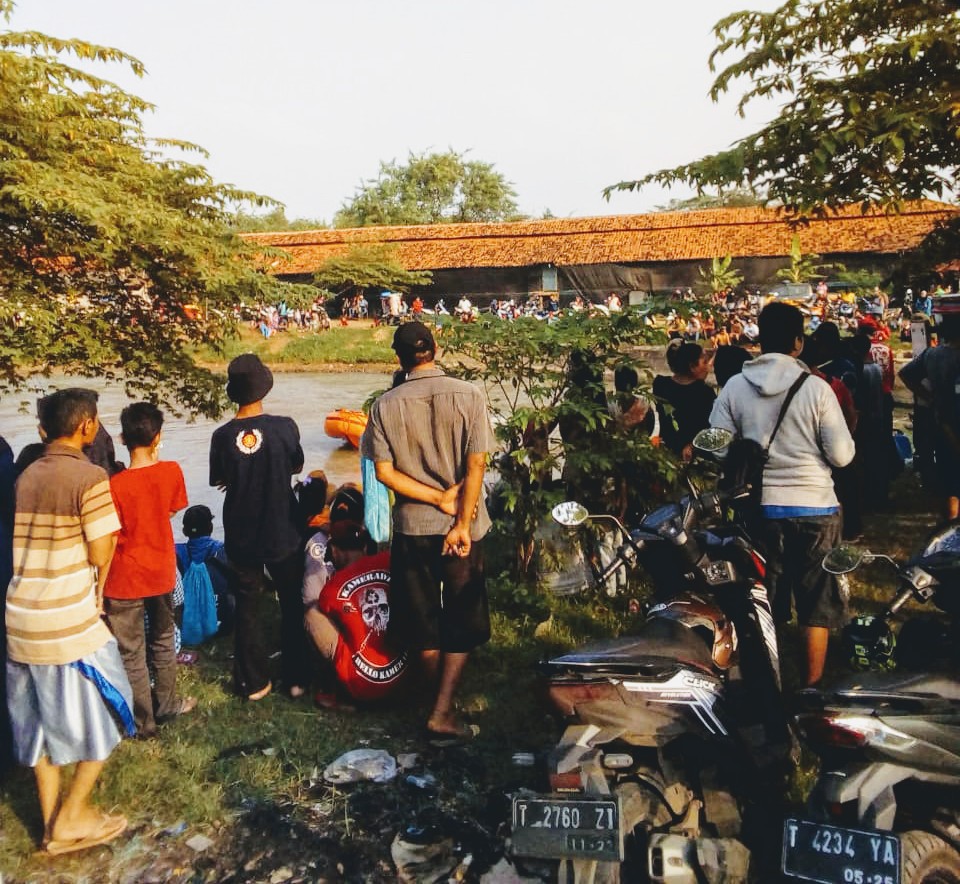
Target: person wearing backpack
205 572
801 513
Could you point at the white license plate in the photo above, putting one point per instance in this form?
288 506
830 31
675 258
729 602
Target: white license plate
838 855
556 828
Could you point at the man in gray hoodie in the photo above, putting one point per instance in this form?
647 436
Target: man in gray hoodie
800 509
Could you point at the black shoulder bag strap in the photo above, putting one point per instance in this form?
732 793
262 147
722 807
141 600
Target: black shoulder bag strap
797 384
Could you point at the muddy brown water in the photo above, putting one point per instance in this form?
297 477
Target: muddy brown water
307 397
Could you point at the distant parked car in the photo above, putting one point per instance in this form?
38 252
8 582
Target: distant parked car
799 293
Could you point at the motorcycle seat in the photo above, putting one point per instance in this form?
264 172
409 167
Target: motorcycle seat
893 686
660 646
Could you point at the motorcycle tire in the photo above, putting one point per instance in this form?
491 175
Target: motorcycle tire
927 859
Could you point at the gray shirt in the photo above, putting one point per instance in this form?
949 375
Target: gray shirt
426 427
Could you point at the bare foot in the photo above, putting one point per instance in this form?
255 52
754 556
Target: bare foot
445 724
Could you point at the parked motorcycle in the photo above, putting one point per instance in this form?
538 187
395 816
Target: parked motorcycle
660 773
886 805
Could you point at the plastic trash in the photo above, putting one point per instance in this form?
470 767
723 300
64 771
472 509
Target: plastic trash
427 781
376 765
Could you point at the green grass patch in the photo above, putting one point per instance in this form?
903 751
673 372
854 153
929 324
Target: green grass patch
339 345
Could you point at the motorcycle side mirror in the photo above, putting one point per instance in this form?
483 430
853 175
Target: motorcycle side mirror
844 559
712 439
570 514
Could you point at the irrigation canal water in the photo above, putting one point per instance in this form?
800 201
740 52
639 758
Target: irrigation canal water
307 397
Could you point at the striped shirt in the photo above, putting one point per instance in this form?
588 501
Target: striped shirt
63 503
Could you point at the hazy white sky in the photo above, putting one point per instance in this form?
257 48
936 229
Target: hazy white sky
301 99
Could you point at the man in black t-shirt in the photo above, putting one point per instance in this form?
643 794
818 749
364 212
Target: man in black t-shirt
253 457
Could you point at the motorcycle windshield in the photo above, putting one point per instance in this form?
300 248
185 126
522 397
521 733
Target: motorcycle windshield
941 555
946 540
664 515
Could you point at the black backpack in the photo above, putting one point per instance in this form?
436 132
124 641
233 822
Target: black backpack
746 460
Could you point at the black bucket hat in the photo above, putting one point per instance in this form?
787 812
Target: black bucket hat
248 379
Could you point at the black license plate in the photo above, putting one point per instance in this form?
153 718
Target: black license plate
555 828
835 855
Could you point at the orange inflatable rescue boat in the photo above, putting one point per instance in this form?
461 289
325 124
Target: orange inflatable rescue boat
345 424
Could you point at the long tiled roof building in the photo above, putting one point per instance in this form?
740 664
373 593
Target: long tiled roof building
644 252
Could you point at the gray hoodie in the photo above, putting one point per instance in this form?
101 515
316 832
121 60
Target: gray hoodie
812 438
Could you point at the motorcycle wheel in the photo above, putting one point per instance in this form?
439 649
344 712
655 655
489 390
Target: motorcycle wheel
927 859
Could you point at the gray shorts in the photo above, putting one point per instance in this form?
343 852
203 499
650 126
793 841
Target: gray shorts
70 712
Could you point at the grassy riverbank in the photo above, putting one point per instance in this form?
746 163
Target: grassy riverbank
357 346
247 776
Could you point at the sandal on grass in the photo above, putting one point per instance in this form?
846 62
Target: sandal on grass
184 706
332 702
263 692
464 734
109 828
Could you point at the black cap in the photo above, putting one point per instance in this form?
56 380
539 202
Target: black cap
413 336
347 504
248 379
198 521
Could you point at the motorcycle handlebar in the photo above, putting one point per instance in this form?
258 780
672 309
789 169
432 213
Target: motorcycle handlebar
709 504
899 602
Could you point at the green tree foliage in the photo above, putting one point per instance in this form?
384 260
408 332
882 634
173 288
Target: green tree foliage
872 97
434 188
732 198
803 267
720 275
366 266
535 378
272 221
103 237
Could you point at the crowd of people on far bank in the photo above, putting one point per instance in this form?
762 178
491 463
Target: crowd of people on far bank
731 317
91 605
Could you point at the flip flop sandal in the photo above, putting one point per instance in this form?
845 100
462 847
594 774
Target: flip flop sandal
263 692
185 705
110 828
448 739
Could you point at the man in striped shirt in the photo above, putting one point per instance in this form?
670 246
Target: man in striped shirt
68 694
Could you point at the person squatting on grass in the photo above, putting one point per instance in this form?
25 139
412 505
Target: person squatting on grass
253 458
348 621
143 572
429 438
68 694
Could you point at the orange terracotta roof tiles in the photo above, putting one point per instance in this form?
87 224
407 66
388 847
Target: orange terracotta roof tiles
664 236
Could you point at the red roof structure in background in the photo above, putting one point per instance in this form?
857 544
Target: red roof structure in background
622 239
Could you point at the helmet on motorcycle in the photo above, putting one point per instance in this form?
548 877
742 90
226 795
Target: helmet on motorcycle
702 616
868 643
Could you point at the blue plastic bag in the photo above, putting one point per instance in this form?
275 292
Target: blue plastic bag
199 605
376 502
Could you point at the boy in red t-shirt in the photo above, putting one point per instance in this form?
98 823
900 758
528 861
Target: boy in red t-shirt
348 624
143 572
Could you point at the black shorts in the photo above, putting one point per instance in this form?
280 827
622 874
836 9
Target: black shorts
437 602
795 550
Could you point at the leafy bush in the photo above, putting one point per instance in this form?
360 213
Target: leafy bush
550 390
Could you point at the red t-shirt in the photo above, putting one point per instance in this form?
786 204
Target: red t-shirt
356 599
145 562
